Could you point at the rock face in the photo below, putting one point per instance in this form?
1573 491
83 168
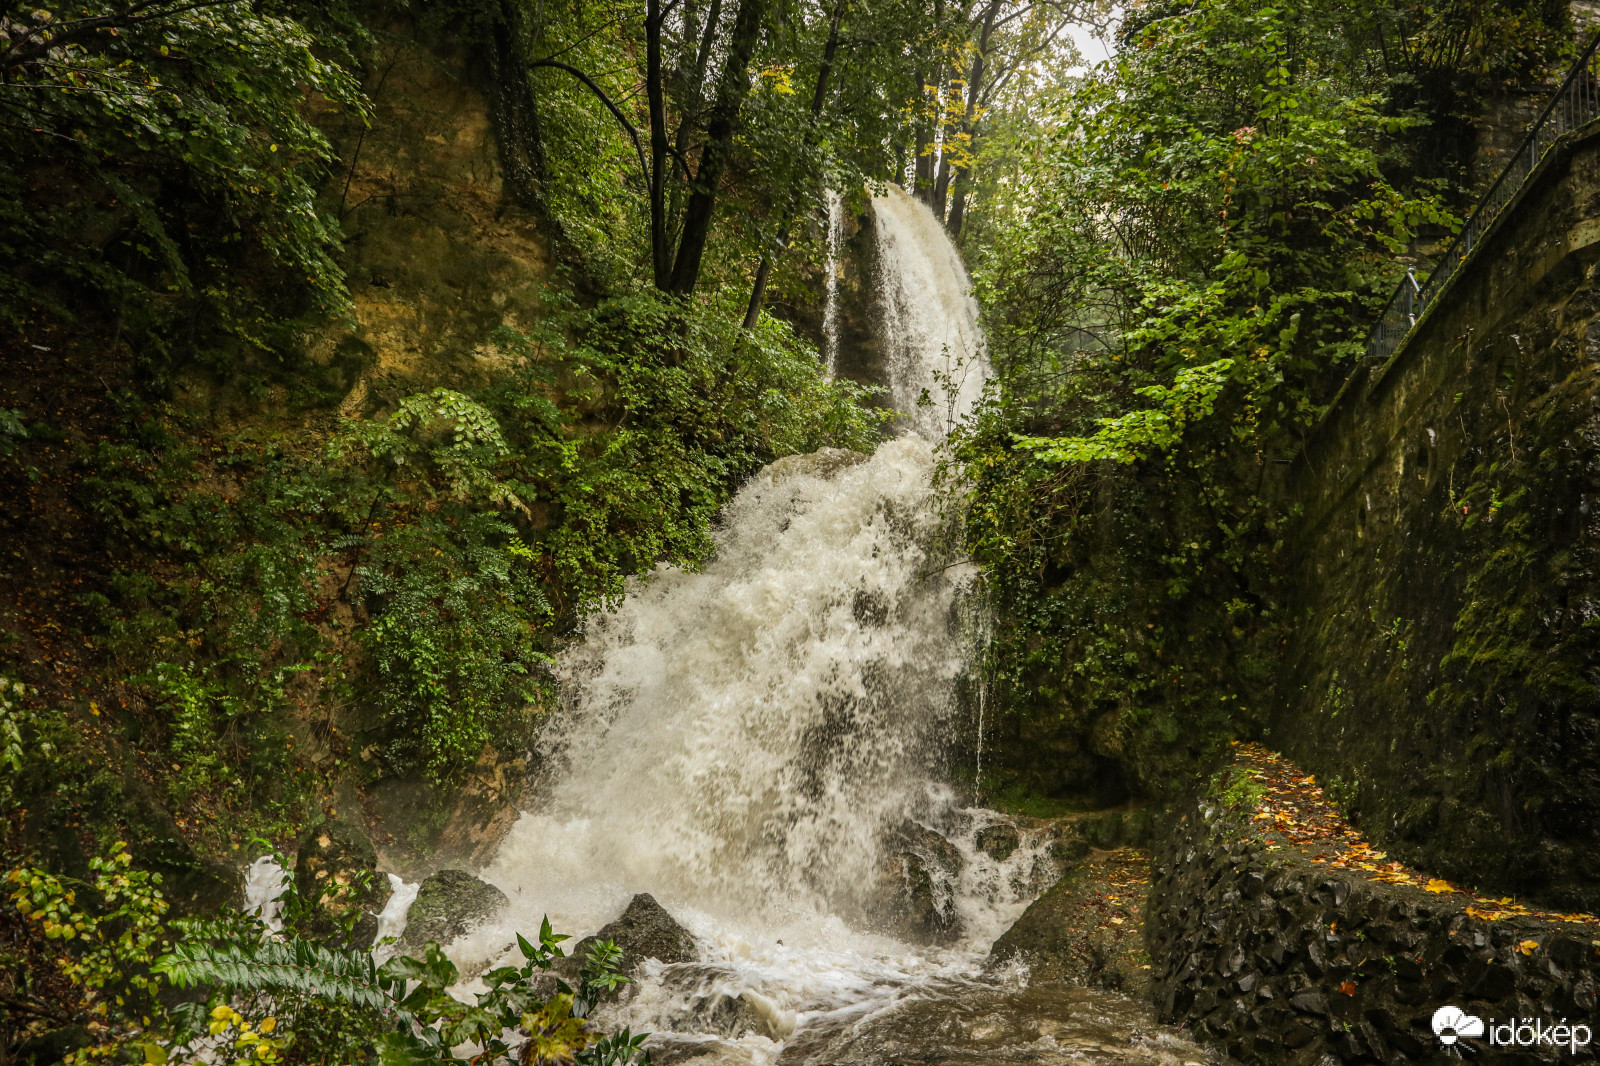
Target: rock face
919 876
439 253
823 463
418 828
999 840
448 905
644 931
337 870
1085 929
1288 963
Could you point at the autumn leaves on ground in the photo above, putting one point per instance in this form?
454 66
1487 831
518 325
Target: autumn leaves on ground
1292 812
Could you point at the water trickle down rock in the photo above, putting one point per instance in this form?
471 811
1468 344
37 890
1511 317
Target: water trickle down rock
923 870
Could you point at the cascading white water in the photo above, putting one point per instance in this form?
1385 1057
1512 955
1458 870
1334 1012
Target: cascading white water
832 268
745 742
738 736
930 327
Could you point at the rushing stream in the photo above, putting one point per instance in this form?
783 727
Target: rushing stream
748 742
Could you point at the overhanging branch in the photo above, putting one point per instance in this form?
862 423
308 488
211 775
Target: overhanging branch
616 112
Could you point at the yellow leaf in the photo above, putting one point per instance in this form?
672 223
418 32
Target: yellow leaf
1528 947
155 1054
1436 885
268 1024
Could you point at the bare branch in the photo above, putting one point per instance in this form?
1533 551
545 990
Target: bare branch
616 112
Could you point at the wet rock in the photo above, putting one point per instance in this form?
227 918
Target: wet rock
737 1016
418 828
644 931
1074 934
336 872
448 905
921 870
998 840
823 463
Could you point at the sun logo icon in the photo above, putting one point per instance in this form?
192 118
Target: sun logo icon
1452 1023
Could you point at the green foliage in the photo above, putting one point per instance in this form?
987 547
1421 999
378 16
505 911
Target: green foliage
180 148
104 949
272 1000
1177 271
13 716
1236 786
1135 436
697 404
290 966
408 1013
12 430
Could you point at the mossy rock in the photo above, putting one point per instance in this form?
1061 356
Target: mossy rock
448 905
336 871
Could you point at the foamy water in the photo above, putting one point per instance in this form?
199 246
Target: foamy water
745 742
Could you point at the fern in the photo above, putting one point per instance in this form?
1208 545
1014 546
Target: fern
348 977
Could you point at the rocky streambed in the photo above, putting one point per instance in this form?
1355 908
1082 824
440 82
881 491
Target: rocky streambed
919 985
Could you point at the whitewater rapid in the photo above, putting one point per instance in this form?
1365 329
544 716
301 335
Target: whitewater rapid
745 742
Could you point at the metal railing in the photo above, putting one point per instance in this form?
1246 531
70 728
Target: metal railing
1575 104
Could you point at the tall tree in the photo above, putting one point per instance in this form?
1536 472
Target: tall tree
819 94
732 88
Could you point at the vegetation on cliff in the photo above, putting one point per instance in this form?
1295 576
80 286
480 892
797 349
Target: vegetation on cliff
233 614
228 615
1179 264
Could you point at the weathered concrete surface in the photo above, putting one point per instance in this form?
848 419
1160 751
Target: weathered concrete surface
1442 677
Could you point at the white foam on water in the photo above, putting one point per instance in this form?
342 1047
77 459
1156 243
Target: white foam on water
742 742
265 882
392 919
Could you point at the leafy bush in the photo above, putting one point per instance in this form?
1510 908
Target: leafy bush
1177 279
180 153
270 1000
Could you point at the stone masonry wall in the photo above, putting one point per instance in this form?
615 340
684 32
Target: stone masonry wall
1442 678
1283 962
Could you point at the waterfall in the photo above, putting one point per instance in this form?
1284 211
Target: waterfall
935 347
832 268
748 742
738 740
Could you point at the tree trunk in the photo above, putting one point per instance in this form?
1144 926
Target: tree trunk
758 292
968 121
922 164
660 249
922 183
958 199
732 89
690 104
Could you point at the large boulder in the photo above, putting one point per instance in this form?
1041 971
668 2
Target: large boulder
644 931
1086 930
919 876
448 905
336 873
